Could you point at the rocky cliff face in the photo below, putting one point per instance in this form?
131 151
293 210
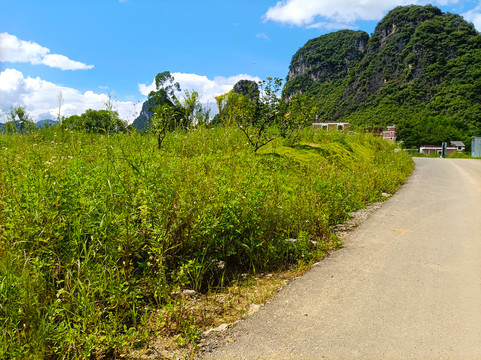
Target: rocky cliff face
388 52
142 122
329 56
325 59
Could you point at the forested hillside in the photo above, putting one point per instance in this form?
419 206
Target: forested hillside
420 70
322 64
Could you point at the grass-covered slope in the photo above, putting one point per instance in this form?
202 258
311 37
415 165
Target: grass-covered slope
96 231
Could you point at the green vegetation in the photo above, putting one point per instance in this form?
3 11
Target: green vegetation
98 231
163 111
263 116
420 71
19 121
103 228
97 121
321 65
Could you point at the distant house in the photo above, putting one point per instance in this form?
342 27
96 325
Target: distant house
454 146
389 134
459 145
331 126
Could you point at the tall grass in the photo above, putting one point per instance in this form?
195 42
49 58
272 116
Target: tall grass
96 231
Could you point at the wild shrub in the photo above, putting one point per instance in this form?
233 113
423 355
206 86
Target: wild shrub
97 231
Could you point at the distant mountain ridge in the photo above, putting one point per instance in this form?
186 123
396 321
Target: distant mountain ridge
40 124
421 70
43 123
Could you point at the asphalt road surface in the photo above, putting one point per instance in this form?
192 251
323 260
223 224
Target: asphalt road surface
407 284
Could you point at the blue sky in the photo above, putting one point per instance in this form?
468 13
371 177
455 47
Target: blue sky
90 48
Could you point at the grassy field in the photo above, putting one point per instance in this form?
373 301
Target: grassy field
98 232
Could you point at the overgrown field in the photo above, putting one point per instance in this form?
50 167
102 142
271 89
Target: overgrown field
98 231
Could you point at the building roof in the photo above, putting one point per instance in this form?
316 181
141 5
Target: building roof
457 143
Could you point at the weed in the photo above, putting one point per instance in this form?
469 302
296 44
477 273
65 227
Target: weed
98 230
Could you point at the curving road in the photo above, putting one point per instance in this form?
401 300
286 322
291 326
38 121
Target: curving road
407 284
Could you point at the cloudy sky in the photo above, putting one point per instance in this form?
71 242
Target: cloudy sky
88 49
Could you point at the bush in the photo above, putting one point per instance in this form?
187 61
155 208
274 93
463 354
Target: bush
96 231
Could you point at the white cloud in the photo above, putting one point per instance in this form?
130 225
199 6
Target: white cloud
40 98
13 49
474 16
262 36
335 14
207 89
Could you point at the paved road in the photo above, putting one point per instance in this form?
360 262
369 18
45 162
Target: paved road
407 285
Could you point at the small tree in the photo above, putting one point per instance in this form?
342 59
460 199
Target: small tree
262 115
191 110
99 121
232 104
73 122
257 114
225 104
162 119
20 120
166 87
301 112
